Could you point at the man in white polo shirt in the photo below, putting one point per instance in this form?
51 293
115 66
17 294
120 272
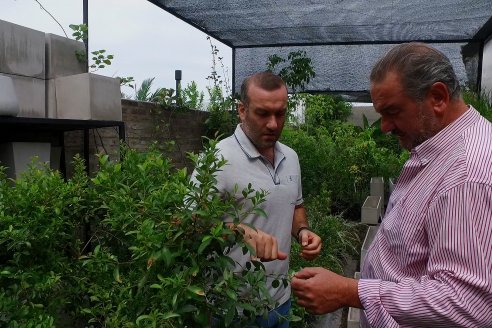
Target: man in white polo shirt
255 156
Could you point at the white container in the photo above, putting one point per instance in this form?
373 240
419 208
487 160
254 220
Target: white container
30 94
88 96
371 210
353 318
377 187
9 103
23 51
391 185
370 235
61 57
17 156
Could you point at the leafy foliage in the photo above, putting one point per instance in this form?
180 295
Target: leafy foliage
99 57
296 70
137 245
223 115
321 110
481 102
192 98
341 159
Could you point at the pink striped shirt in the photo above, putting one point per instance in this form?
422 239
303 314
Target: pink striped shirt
430 264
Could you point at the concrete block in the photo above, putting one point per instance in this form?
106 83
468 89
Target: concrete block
61 59
31 94
391 185
50 91
22 51
17 156
88 96
359 111
377 187
353 318
369 238
357 275
371 210
9 102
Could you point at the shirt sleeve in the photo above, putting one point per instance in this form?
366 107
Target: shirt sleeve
455 288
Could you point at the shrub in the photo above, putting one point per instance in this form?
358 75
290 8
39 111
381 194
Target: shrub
138 245
341 159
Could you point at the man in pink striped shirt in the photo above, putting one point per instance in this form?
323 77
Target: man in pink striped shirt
430 264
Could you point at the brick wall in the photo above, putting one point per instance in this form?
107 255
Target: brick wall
145 123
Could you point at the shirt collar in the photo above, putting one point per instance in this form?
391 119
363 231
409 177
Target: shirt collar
250 149
444 139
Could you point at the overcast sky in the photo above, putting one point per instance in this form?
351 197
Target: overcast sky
145 40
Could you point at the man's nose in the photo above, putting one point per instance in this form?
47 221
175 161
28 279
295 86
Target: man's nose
386 125
272 122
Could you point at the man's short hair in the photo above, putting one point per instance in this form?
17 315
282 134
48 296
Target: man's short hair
264 80
419 66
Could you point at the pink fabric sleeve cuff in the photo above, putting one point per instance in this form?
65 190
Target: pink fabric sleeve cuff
369 292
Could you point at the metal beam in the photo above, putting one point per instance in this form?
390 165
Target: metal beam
86 23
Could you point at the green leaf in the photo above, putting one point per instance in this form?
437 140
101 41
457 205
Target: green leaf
116 275
169 315
232 295
144 317
204 245
196 290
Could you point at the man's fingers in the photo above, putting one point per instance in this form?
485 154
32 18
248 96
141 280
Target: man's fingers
281 255
306 273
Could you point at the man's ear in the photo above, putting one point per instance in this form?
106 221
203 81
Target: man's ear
439 97
241 109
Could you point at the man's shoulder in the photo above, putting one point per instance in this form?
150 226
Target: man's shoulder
227 146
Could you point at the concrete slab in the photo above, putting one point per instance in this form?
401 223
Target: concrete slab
371 210
88 96
22 51
356 118
61 59
31 95
50 89
370 235
17 156
376 188
9 102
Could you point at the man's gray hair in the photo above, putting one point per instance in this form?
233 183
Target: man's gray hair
419 66
264 80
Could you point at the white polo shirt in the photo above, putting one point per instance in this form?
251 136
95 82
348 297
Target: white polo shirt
282 182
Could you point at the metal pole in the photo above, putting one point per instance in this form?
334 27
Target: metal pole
86 23
177 77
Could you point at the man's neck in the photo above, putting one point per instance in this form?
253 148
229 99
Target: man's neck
269 154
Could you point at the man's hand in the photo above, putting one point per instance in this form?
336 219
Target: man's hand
310 244
321 291
265 245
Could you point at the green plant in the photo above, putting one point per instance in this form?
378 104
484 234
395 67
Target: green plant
191 97
481 102
137 245
321 110
99 57
297 70
223 115
341 159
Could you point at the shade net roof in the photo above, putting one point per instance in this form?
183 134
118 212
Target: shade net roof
343 37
